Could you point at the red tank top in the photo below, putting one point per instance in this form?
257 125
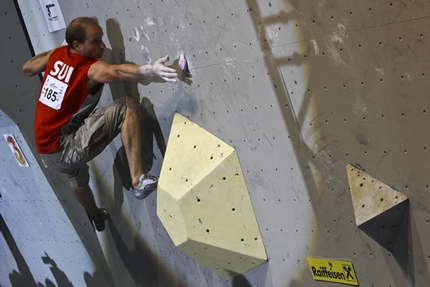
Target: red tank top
64 101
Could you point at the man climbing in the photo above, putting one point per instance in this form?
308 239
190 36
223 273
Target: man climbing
69 130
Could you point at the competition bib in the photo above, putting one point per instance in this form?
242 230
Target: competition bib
53 92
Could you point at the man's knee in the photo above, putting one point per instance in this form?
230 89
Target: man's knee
133 105
81 177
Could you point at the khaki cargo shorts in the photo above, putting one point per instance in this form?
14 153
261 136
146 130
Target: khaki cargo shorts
81 146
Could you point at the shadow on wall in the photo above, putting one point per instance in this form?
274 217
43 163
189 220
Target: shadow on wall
150 126
142 263
273 64
293 120
240 281
116 56
345 95
149 123
24 277
150 129
331 138
59 275
394 236
180 101
408 251
403 248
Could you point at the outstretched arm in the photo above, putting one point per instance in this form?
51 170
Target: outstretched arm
102 72
37 64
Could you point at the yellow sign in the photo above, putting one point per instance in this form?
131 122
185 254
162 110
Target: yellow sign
332 271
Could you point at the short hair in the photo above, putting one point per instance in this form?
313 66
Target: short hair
76 29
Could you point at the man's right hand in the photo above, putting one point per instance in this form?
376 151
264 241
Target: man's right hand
166 73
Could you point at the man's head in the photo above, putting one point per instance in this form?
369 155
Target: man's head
84 36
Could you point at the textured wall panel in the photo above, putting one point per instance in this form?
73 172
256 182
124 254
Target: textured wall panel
36 233
300 89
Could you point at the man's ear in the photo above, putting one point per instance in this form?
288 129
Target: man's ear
77 46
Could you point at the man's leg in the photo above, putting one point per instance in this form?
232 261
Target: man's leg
78 176
79 180
131 138
142 184
97 216
86 198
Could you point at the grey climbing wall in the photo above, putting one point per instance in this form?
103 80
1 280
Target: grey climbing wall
300 89
39 243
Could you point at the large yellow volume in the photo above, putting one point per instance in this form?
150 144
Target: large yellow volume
203 202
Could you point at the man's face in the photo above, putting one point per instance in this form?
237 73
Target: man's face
93 45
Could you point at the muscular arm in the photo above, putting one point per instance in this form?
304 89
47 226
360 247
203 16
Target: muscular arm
37 64
102 72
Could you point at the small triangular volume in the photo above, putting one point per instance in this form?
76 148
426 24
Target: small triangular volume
370 197
379 209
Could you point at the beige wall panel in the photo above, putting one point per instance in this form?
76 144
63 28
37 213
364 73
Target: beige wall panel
203 202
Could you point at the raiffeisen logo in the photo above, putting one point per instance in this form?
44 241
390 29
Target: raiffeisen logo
332 271
323 272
